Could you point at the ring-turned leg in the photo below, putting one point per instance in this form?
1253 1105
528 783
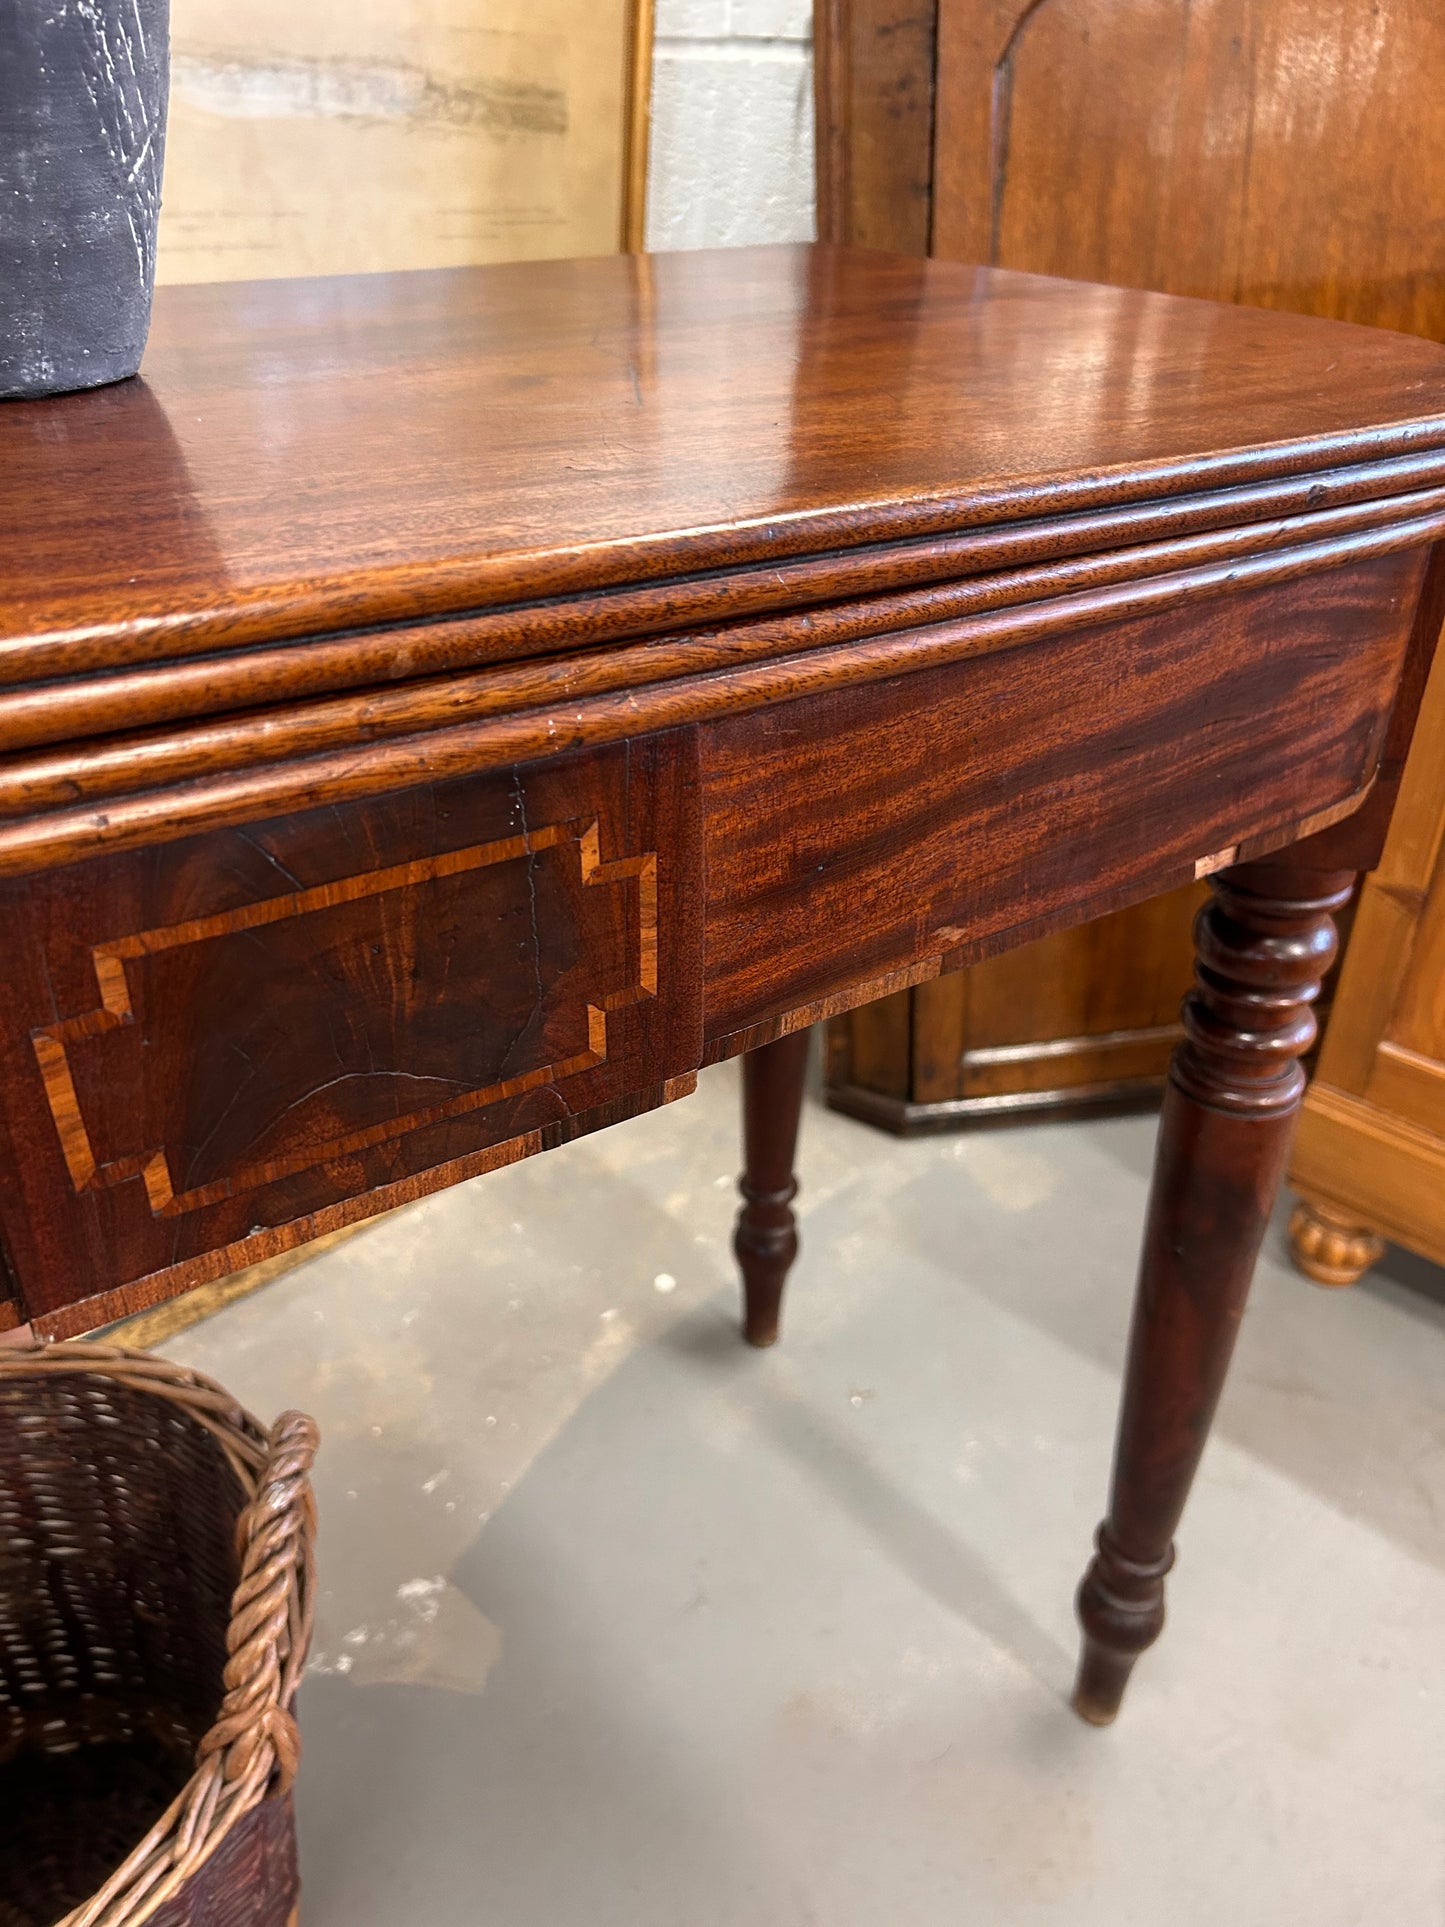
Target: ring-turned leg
766 1238
1263 943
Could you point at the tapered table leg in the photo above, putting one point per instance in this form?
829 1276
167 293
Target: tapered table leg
766 1238
1263 943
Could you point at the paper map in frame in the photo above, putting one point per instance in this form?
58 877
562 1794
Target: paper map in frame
346 136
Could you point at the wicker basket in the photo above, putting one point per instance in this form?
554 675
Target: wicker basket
156 1591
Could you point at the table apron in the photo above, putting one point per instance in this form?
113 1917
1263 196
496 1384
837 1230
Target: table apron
877 835
221 1044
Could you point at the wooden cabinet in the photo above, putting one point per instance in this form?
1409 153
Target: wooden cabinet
1083 1017
1282 153
1369 1161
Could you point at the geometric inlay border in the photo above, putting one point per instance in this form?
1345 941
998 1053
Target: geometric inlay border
115 1010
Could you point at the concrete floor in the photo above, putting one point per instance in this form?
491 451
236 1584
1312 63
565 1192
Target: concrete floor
623 1623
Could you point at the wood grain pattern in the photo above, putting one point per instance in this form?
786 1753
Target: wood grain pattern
767 1030
348 999
873 87
1241 150
1275 547
1095 1010
971 796
1288 155
498 740
1084 1016
842 595
1265 942
770 632
1371 1146
1377 1168
85 1308
561 427
56 1045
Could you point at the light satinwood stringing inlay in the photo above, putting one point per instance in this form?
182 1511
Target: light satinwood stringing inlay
88 1171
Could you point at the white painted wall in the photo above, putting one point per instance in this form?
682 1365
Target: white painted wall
732 123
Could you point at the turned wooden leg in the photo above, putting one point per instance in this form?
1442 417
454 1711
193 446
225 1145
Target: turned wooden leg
1263 943
766 1238
1330 1246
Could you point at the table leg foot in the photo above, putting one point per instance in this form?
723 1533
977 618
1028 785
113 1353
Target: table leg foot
1264 942
766 1238
1121 1608
1100 1682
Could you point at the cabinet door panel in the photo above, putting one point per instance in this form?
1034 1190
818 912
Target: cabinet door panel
1105 997
1285 153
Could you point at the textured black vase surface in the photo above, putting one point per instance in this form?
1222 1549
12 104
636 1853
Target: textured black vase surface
82 140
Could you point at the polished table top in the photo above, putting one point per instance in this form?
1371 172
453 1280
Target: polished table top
303 457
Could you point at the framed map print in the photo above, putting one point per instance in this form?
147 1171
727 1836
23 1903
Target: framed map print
347 136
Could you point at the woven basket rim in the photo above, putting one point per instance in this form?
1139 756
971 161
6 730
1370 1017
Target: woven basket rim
253 1747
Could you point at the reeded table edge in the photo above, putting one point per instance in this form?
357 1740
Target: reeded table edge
487 608
176 783
414 673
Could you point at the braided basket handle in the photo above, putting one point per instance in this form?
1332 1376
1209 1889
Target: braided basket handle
254 1737
271 1613
252 1749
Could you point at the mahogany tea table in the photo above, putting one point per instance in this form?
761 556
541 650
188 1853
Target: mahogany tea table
439 712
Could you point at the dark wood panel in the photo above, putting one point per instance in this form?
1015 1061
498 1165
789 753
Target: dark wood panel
872 1048
208 1041
873 82
1289 154
1011 795
1084 1017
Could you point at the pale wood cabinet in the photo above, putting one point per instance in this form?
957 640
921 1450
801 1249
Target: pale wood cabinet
1369 1161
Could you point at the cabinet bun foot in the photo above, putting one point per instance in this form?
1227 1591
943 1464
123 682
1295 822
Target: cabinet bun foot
1331 1247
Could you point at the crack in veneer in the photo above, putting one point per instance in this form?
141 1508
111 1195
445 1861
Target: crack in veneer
50 1043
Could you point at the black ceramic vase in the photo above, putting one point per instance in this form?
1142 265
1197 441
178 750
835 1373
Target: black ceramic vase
83 88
